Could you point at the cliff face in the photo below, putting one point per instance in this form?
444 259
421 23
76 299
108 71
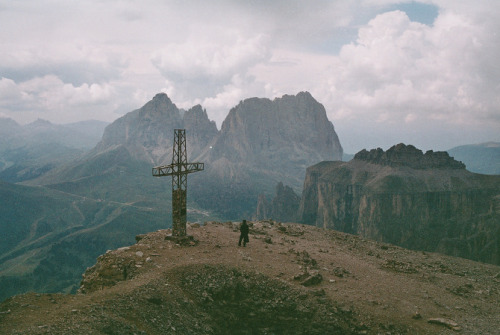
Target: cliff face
265 134
263 142
402 196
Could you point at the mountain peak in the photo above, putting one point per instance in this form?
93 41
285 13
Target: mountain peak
147 132
40 123
305 94
260 130
8 125
162 97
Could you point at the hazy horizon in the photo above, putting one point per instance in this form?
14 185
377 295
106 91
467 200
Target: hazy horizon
417 72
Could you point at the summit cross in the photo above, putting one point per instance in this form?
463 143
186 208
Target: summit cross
179 169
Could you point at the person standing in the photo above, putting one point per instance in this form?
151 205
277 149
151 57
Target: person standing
243 233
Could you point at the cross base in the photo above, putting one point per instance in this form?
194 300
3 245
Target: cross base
186 240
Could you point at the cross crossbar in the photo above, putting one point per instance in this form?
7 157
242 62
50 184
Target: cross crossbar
173 169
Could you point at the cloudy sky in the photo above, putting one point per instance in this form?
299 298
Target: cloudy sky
419 72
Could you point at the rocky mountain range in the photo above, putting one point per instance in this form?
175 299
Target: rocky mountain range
408 198
261 143
87 203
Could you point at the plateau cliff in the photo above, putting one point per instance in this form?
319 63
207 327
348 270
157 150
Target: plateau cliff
405 197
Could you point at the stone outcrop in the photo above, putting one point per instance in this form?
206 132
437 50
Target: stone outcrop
401 196
283 207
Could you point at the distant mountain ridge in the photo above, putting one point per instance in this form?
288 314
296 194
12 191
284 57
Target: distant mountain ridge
78 135
29 151
479 158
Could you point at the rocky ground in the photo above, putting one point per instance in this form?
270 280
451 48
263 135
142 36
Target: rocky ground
290 279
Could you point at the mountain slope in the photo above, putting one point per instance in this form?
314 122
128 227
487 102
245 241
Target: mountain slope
290 279
48 237
30 151
119 167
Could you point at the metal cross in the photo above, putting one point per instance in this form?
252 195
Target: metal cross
179 169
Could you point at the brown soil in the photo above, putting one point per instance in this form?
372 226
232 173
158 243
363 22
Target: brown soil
290 279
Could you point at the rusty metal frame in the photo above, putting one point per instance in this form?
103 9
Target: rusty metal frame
179 169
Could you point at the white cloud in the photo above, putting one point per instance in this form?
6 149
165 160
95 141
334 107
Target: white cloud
210 65
9 91
193 59
50 98
402 67
374 71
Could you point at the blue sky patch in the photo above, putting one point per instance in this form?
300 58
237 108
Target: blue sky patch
417 11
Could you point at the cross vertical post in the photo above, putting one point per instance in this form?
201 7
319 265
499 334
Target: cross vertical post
179 169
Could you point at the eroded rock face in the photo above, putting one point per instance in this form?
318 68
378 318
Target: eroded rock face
426 202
